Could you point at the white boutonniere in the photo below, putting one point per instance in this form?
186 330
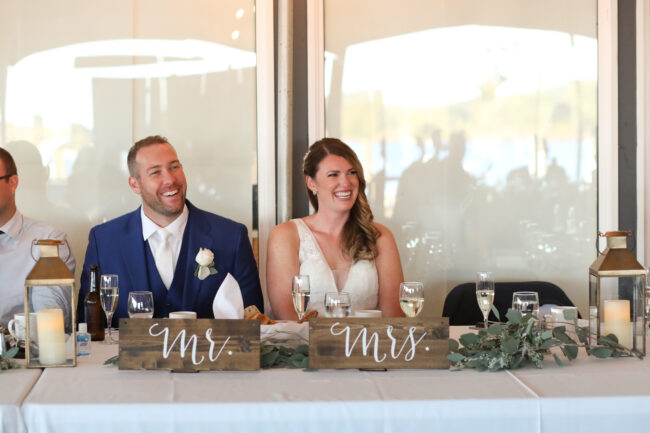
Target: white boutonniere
205 260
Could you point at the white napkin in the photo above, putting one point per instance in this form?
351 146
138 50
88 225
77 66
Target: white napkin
228 302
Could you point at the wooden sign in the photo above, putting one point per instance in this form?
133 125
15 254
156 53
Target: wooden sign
189 344
379 343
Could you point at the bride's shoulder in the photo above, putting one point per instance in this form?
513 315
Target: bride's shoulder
284 232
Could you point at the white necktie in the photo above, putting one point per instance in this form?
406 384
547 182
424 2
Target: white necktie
163 258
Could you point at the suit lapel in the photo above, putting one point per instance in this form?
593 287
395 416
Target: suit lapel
134 253
198 237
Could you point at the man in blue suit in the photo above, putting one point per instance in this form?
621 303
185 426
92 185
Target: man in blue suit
154 247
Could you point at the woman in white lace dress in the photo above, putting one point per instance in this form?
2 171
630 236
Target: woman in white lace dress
339 245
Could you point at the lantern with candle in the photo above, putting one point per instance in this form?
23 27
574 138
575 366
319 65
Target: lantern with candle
50 299
617 294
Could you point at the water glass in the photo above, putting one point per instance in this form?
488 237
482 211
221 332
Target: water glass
300 294
526 303
337 304
411 298
140 305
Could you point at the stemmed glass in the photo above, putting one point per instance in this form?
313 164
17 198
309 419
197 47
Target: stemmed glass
108 293
337 304
485 294
411 298
140 305
300 294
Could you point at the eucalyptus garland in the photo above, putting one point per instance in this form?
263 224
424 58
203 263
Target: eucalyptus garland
6 360
275 355
519 342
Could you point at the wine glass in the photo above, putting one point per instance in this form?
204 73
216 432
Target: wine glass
337 304
485 294
411 298
108 293
140 305
300 294
526 303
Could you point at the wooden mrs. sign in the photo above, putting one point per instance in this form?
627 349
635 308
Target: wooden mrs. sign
189 345
379 343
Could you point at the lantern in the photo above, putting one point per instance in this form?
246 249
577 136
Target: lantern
617 294
50 304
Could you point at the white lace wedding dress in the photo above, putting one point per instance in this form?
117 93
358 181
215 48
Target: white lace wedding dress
362 283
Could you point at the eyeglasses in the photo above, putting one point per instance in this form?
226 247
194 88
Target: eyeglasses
7 176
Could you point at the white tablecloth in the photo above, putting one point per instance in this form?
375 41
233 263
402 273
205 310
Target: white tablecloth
586 395
14 387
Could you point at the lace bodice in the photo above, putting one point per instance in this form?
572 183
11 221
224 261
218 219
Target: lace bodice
361 283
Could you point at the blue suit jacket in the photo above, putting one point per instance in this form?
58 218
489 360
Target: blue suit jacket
118 248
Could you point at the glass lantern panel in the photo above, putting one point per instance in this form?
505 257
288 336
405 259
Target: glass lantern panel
617 306
50 323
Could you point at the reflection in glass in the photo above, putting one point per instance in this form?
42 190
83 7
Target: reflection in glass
75 96
478 133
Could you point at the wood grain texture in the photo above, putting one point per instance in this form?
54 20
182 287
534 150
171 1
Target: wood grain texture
395 343
189 344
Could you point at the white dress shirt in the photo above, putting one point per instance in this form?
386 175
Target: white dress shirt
151 232
16 263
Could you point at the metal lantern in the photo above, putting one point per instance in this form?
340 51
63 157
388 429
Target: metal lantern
617 294
50 301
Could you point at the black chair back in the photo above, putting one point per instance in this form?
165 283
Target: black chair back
462 308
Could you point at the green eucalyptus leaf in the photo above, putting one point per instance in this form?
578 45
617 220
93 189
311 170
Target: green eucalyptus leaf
547 344
468 339
570 315
455 357
546 335
10 353
303 348
513 316
558 361
495 311
570 351
601 352
453 345
509 345
495 329
269 359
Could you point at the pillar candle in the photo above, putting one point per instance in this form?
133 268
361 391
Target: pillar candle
617 321
51 336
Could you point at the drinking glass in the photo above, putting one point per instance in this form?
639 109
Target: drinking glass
108 294
485 294
411 298
140 305
337 304
526 303
300 294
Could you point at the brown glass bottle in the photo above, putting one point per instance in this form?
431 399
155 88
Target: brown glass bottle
95 317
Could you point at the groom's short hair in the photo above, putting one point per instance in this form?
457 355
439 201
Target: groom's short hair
145 142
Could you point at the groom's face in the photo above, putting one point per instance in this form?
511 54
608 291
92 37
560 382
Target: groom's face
161 183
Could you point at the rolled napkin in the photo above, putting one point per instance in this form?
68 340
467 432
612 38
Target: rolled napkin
228 302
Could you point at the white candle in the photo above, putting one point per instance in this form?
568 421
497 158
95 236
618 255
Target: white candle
51 336
617 321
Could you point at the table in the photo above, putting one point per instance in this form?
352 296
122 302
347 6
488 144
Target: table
587 395
14 387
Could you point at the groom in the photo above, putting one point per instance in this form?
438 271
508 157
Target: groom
154 247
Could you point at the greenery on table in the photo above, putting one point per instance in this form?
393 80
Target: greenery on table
519 342
6 360
275 355
113 360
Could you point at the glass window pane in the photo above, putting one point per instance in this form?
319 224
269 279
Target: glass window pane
81 81
476 124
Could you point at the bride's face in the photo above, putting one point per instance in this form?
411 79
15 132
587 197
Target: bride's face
336 184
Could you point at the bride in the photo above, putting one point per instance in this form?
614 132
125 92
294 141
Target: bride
338 246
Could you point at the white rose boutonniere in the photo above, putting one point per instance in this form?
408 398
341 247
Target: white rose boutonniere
205 260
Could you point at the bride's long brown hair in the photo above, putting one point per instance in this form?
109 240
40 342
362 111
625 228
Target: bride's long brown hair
359 233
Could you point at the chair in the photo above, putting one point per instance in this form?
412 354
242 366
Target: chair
462 308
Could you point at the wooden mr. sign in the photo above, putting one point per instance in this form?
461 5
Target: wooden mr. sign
188 345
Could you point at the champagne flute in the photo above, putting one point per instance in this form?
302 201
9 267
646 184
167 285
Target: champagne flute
411 298
300 294
485 294
108 293
140 305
